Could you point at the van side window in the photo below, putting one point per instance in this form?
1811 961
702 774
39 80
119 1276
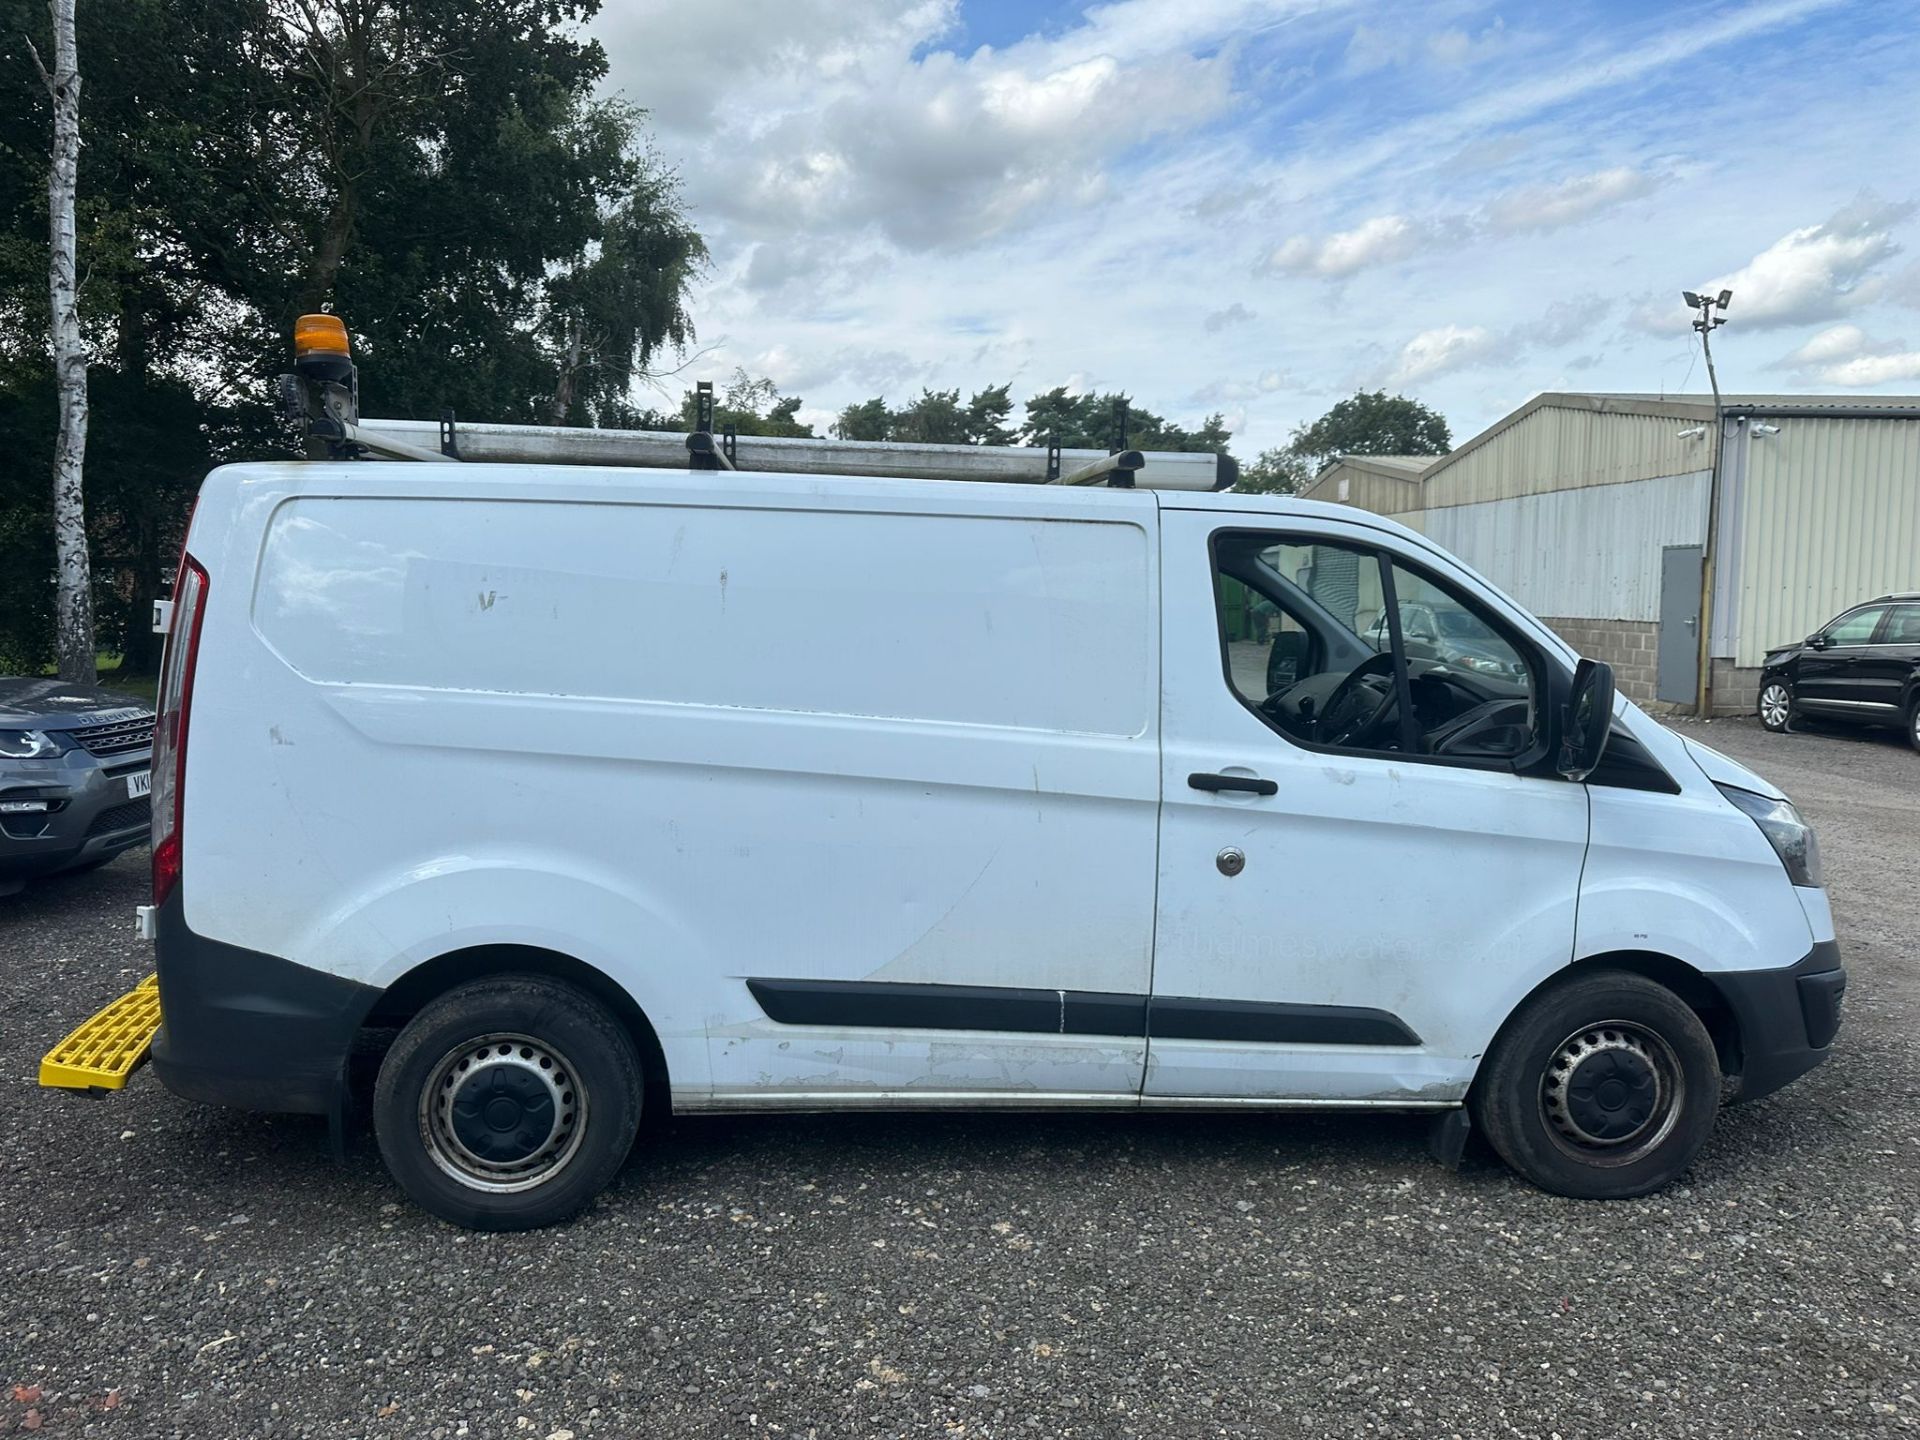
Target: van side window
1338 647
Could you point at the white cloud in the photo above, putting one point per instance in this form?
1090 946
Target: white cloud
1268 382
1449 347
1817 272
1379 241
1384 239
1845 355
1549 207
1836 342
887 210
835 118
1864 370
1563 322
1218 320
1374 47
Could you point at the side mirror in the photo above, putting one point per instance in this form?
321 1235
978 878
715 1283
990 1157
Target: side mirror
1587 720
1816 642
1286 659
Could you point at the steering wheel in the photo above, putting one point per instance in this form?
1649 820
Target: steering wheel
1347 732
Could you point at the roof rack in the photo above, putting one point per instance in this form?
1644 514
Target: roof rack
322 397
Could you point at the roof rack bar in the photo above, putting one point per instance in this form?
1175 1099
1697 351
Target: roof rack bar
709 454
392 446
783 454
322 399
1116 469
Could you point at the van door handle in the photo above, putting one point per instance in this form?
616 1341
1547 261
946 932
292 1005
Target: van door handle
1252 784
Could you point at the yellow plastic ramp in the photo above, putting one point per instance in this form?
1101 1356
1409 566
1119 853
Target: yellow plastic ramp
103 1051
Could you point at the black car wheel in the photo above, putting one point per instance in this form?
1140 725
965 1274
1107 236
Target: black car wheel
1601 1088
1776 706
1913 722
508 1103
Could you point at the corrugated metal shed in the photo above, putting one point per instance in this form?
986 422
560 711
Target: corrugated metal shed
1568 503
1380 483
1592 552
1549 445
1828 514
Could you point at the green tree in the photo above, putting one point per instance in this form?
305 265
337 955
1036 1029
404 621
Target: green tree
1087 422
752 404
1370 422
868 420
987 414
936 418
608 316
497 238
1277 471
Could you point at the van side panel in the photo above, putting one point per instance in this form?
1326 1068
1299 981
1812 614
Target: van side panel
696 744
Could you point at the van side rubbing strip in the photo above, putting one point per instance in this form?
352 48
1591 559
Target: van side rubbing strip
870 1004
879 1004
1263 1022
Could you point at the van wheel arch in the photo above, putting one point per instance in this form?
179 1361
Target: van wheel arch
426 982
1691 985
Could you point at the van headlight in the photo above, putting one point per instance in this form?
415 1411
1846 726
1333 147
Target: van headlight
1791 837
29 745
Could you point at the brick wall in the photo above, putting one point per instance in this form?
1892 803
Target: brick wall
1632 647
1629 646
1736 691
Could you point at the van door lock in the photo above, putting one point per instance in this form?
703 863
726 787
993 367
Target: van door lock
1231 860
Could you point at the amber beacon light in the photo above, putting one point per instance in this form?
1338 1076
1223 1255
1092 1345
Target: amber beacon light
318 335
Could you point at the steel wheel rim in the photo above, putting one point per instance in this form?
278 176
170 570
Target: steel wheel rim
503 1113
1611 1093
1773 705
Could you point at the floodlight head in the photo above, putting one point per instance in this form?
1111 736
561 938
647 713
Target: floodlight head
1725 296
1693 300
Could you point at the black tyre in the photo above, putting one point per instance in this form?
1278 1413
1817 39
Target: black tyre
1601 1088
1776 705
1913 723
508 1103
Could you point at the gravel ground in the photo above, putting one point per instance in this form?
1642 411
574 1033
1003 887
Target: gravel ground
176 1270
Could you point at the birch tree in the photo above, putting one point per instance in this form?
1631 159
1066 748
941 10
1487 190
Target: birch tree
73 580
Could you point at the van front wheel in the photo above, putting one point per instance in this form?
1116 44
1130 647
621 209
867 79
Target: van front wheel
1601 1088
508 1103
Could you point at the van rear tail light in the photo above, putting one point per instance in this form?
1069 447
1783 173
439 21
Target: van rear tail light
170 729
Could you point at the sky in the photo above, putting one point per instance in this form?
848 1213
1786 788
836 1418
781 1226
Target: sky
1257 207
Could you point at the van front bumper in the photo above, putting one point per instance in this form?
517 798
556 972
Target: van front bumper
1787 1018
248 1030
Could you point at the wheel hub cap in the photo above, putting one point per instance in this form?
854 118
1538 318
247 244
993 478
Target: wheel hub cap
502 1113
1604 1087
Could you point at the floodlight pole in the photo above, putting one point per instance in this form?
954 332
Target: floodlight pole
1706 325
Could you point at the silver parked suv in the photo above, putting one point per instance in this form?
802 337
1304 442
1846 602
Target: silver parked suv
75 766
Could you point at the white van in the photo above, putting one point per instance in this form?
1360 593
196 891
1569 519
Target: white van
763 792
737 789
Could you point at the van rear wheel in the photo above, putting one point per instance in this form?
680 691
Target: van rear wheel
1601 1088
508 1103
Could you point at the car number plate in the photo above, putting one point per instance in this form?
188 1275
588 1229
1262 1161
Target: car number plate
139 783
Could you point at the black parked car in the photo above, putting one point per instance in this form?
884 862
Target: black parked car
75 767
1862 666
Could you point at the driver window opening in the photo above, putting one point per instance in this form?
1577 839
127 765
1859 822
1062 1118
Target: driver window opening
1310 646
